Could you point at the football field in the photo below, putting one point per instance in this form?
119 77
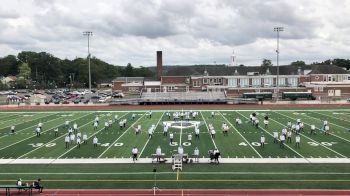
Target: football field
320 160
242 141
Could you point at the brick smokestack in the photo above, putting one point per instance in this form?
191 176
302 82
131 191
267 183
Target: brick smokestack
159 64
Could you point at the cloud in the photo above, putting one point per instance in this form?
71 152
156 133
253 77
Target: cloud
189 32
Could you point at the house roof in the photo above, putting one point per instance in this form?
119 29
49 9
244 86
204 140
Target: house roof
222 70
129 79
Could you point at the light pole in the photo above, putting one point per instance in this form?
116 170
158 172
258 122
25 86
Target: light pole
88 34
278 29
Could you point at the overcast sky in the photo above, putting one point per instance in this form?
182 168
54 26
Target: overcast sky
187 31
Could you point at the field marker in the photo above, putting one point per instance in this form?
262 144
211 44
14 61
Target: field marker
32 125
272 137
316 142
57 137
120 136
28 134
149 138
242 136
319 120
208 130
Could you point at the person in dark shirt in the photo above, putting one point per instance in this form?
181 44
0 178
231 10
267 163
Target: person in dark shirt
37 185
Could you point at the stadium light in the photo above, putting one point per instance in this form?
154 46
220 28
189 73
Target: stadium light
88 34
278 30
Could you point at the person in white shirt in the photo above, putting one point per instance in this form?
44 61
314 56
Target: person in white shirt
266 123
110 122
312 129
134 153
256 123
72 138
75 127
196 130
124 123
55 131
70 131
289 125
189 138
216 156
284 132
158 153
239 122
37 131
275 137
301 125
106 125
297 128
85 138
326 130
150 133
78 134
180 150
13 129
95 125
289 137
262 141
196 154
94 141
40 125
116 118
165 130
212 132
97 119
297 141
293 128
66 140
212 114
298 121
282 140
133 116
138 130
78 142
121 124
325 123
171 137
150 114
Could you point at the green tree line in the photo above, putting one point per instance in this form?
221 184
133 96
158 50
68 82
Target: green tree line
47 70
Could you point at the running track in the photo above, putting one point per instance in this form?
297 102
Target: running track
185 192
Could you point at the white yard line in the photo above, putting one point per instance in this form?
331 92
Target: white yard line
330 123
241 136
208 130
27 122
35 135
63 135
272 137
309 124
120 136
149 138
32 126
316 142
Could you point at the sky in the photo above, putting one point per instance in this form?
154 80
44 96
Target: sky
187 31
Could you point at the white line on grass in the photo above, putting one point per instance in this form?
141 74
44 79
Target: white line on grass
242 136
120 136
149 138
63 135
208 130
76 145
316 142
309 124
330 123
26 122
35 135
272 136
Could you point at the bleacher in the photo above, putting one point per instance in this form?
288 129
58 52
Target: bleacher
190 97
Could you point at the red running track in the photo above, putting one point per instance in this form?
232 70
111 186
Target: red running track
185 192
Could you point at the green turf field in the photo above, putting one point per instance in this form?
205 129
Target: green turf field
242 145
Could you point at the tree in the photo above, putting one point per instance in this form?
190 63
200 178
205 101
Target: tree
129 70
298 63
241 65
266 63
24 71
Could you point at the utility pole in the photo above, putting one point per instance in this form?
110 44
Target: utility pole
278 30
88 34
